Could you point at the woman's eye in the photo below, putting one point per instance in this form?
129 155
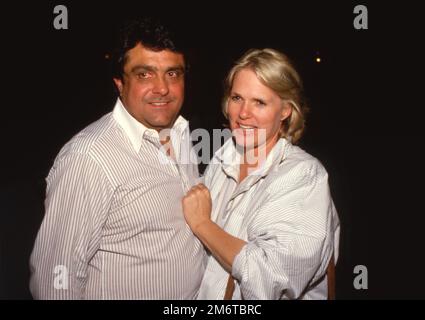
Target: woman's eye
260 102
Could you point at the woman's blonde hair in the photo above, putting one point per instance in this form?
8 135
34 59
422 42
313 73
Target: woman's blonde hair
275 71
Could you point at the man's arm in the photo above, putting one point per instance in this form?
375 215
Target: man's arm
77 201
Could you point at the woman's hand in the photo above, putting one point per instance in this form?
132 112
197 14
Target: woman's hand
197 212
197 206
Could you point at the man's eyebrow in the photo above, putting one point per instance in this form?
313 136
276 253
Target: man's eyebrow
178 67
143 67
146 67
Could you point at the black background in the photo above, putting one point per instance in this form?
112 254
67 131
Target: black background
365 125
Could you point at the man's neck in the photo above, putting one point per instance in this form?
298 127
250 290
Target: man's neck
168 145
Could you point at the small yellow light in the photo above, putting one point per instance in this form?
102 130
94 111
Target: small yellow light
318 60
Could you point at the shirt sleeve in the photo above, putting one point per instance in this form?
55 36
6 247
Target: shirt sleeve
290 239
78 198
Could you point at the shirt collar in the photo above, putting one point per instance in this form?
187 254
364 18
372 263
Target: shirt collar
229 158
136 131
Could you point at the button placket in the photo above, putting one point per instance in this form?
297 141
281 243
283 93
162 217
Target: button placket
163 157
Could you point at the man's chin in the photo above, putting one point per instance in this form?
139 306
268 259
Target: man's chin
162 123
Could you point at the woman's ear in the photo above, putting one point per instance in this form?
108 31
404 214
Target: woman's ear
226 108
286 110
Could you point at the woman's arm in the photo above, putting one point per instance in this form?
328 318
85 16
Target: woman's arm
197 211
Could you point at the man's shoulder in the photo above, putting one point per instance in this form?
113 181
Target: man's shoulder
83 153
90 138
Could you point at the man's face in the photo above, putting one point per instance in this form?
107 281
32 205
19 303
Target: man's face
152 88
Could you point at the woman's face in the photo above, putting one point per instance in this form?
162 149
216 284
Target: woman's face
255 112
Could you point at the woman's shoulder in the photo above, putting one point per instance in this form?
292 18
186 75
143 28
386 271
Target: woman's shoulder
297 154
297 164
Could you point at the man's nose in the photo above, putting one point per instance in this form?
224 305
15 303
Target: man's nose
160 86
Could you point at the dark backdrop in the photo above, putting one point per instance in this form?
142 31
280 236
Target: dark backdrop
365 125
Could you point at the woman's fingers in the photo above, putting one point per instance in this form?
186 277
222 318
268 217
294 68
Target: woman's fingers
201 186
197 189
197 206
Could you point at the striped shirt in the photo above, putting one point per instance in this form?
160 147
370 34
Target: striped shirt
284 211
114 226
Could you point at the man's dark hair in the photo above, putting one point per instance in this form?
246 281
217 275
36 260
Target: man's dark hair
146 31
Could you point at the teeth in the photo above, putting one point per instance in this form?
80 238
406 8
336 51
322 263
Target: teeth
159 103
246 127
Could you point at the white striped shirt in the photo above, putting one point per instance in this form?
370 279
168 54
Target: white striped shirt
285 213
114 222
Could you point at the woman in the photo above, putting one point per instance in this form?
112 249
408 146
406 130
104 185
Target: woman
268 219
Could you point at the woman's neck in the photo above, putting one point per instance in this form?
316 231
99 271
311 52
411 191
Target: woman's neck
252 159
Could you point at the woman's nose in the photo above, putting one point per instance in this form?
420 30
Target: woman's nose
244 112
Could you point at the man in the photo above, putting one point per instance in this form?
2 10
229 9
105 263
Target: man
114 227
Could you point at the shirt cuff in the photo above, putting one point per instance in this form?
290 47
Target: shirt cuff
239 262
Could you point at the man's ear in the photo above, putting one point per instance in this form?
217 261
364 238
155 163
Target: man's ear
118 83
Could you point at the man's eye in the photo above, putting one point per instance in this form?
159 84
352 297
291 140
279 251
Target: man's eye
174 74
142 75
236 98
